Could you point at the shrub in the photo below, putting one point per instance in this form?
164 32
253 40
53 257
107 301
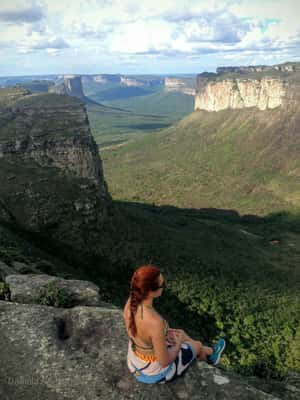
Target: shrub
4 291
52 295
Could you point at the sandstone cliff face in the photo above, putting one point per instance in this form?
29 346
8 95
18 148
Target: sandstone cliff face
131 82
178 85
240 93
101 79
71 86
51 176
139 82
287 67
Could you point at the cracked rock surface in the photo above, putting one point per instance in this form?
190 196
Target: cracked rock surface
80 353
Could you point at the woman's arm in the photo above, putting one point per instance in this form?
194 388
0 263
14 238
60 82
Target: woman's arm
158 338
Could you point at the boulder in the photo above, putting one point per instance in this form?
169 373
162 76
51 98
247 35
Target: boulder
25 288
80 353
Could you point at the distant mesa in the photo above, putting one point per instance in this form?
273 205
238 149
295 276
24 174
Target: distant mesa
131 82
263 87
139 82
71 85
180 85
101 79
123 80
286 67
237 93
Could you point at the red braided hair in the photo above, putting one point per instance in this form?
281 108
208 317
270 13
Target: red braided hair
144 279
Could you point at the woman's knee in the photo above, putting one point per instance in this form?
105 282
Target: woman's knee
196 345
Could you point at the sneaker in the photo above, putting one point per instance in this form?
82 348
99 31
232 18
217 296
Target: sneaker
218 348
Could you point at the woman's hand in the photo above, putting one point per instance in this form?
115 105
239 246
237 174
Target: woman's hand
170 337
177 336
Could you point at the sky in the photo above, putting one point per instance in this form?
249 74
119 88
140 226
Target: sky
145 36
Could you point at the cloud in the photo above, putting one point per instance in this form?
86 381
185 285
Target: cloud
25 14
84 30
55 43
182 32
220 26
147 32
50 45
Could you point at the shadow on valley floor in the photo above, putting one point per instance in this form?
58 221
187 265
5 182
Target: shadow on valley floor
287 219
145 127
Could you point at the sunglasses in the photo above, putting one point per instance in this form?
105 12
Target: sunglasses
162 286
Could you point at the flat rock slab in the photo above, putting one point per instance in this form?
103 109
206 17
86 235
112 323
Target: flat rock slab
25 288
80 353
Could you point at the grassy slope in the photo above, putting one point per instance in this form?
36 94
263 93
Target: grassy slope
243 160
146 114
149 109
161 102
112 127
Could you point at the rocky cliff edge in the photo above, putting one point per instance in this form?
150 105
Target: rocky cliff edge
80 353
51 175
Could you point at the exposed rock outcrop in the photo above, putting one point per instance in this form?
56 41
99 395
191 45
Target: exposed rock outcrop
286 67
178 85
71 85
80 352
139 82
101 79
25 288
240 93
51 176
131 82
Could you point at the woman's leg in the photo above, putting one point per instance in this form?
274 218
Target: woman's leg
201 351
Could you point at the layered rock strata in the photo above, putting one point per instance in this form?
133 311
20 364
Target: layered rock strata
71 85
265 93
178 85
51 175
139 82
286 67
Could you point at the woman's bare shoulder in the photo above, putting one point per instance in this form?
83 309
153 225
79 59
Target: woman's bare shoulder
151 316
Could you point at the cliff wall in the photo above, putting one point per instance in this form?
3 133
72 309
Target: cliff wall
179 85
71 85
131 82
139 82
51 175
286 67
262 93
101 79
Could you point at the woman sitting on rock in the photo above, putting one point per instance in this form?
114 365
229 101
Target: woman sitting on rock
156 353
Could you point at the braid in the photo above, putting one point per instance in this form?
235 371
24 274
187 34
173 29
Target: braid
139 289
135 300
